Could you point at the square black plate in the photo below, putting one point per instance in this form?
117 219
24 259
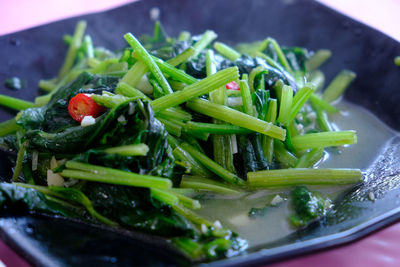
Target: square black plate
37 53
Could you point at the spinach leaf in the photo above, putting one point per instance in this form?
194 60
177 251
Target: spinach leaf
307 205
135 208
129 123
31 118
251 153
9 143
51 128
260 212
297 57
71 140
159 39
14 83
20 199
54 116
246 64
260 99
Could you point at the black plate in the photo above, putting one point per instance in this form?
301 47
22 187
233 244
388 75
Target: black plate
37 53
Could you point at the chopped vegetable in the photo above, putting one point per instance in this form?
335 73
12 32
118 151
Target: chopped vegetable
236 118
307 206
233 86
324 139
14 83
299 176
318 59
83 105
15 103
338 85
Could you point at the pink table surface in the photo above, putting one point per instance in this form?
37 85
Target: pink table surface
379 249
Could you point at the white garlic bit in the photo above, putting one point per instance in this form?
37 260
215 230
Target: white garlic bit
87 121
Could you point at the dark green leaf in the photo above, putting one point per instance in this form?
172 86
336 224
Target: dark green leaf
260 101
20 199
135 208
251 153
297 57
14 83
307 206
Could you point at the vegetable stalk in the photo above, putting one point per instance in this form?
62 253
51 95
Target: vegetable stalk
300 176
18 163
173 72
318 102
324 139
194 166
8 127
204 41
281 56
318 59
299 100
226 51
182 57
202 127
285 105
212 165
246 98
197 89
89 172
135 73
309 159
15 103
201 183
338 85
73 49
142 53
236 118
129 150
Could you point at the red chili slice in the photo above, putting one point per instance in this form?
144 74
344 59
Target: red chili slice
233 86
83 105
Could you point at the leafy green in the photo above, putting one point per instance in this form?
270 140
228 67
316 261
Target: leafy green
14 83
9 143
260 212
216 243
166 48
260 99
77 196
307 205
257 212
139 127
297 57
54 117
158 41
31 118
20 199
246 64
251 152
135 208
71 140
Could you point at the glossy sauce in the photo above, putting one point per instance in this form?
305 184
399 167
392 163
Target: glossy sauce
232 212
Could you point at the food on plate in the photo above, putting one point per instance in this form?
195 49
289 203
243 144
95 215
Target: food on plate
139 138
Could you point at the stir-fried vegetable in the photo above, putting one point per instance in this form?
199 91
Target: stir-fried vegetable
83 105
121 137
307 205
